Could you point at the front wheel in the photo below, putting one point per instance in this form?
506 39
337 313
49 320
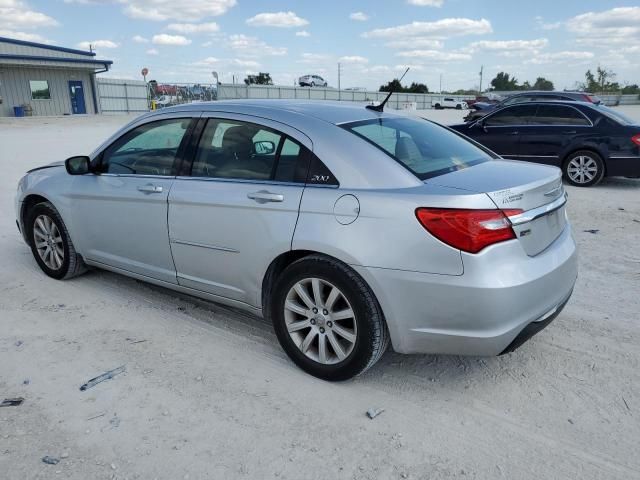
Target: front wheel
51 244
458 107
583 168
327 319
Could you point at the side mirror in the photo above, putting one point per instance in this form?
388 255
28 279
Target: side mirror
79 165
264 147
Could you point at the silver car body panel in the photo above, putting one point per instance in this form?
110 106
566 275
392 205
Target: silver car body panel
207 237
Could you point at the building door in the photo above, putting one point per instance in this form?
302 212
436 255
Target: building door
76 92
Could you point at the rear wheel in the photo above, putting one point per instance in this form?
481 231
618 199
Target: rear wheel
327 319
51 244
583 168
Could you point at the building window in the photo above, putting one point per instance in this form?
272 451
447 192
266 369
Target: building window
39 90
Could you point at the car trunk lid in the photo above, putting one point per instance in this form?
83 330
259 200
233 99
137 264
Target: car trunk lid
536 190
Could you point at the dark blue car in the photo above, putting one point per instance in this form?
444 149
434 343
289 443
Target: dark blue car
588 142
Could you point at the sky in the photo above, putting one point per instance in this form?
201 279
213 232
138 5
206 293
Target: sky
374 41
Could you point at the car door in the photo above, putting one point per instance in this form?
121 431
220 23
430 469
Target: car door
552 129
237 208
500 131
120 212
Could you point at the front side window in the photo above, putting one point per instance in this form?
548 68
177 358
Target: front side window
516 115
149 149
425 148
559 115
246 151
518 99
39 90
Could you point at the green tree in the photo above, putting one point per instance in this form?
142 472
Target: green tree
543 84
504 82
602 81
396 86
630 89
262 78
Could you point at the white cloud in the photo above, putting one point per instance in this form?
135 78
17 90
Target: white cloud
508 48
185 11
303 33
558 57
435 55
97 44
27 37
415 42
426 3
359 16
207 62
140 39
277 19
252 46
153 51
545 25
245 63
164 39
194 27
17 15
444 28
354 59
612 27
413 67
314 58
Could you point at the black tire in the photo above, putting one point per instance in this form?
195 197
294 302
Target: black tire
588 158
437 106
458 107
372 336
313 84
72 264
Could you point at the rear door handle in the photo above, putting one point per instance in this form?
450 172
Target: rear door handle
150 188
570 132
513 133
263 196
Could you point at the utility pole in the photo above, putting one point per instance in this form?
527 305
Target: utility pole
480 89
440 83
339 94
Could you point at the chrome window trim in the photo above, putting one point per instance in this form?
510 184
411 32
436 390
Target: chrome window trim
133 175
253 182
537 124
532 214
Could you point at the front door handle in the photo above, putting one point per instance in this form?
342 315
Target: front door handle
263 196
150 188
569 132
513 133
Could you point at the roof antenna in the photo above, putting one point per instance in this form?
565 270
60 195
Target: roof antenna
380 108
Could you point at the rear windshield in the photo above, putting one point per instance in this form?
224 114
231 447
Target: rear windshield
427 149
616 115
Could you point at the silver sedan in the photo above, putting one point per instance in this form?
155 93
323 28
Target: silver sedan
346 227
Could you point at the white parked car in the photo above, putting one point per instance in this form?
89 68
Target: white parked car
312 81
449 102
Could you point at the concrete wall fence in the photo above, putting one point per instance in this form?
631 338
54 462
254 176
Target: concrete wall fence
117 96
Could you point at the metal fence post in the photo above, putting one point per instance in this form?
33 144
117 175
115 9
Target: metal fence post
126 97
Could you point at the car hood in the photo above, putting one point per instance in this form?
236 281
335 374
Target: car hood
50 165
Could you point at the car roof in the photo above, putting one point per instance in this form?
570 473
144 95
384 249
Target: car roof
334 112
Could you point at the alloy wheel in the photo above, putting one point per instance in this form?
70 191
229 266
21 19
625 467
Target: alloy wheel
48 242
582 169
320 321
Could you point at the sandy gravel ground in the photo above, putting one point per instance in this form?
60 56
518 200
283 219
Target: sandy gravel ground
208 393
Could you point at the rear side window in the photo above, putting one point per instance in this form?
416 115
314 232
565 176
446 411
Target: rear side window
559 115
516 115
233 149
149 149
426 149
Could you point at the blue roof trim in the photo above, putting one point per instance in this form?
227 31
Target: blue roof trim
48 47
56 59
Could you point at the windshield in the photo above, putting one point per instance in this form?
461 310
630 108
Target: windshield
425 148
616 115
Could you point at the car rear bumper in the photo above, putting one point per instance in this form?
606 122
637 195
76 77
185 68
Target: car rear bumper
623 167
483 311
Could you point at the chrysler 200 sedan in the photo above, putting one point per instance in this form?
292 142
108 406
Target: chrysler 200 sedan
346 227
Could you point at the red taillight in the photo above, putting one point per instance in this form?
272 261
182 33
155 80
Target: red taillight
636 139
468 230
587 98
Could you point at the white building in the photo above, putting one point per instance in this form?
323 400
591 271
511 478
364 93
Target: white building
48 80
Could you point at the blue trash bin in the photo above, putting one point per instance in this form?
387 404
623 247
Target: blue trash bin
18 111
